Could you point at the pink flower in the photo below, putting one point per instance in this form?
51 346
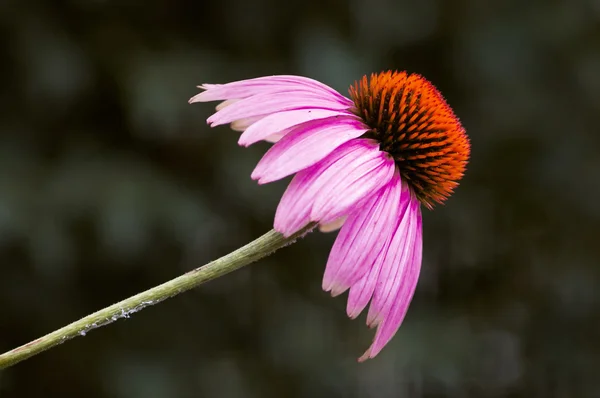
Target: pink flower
364 164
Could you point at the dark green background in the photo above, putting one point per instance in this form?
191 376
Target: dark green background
111 183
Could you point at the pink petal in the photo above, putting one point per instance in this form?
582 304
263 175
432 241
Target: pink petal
353 182
362 291
309 185
362 238
264 104
294 207
305 145
403 292
263 85
396 262
277 122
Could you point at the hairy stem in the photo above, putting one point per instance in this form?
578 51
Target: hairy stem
245 255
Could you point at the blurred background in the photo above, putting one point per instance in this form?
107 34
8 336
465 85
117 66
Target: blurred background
110 183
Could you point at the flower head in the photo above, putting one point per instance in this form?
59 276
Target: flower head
364 164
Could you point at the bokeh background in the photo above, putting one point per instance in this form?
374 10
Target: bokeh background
110 183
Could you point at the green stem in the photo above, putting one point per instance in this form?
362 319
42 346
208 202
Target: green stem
245 255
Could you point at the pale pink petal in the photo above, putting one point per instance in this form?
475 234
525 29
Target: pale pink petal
354 158
264 104
362 291
333 225
362 238
403 292
280 121
305 145
396 264
264 85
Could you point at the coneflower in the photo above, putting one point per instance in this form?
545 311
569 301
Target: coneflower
364 164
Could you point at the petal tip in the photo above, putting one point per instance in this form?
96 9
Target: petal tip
256 174
243 142
353 314
336 290
373 321
263 180
365 356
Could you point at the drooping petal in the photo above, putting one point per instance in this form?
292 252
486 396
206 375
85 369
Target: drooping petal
393 294
366 170
264 85
305 145
265 104
361 239
280 121
362 291
395 264
390 325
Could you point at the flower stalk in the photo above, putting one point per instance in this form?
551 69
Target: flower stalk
253 251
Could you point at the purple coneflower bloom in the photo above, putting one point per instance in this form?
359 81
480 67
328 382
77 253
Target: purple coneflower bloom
364 164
